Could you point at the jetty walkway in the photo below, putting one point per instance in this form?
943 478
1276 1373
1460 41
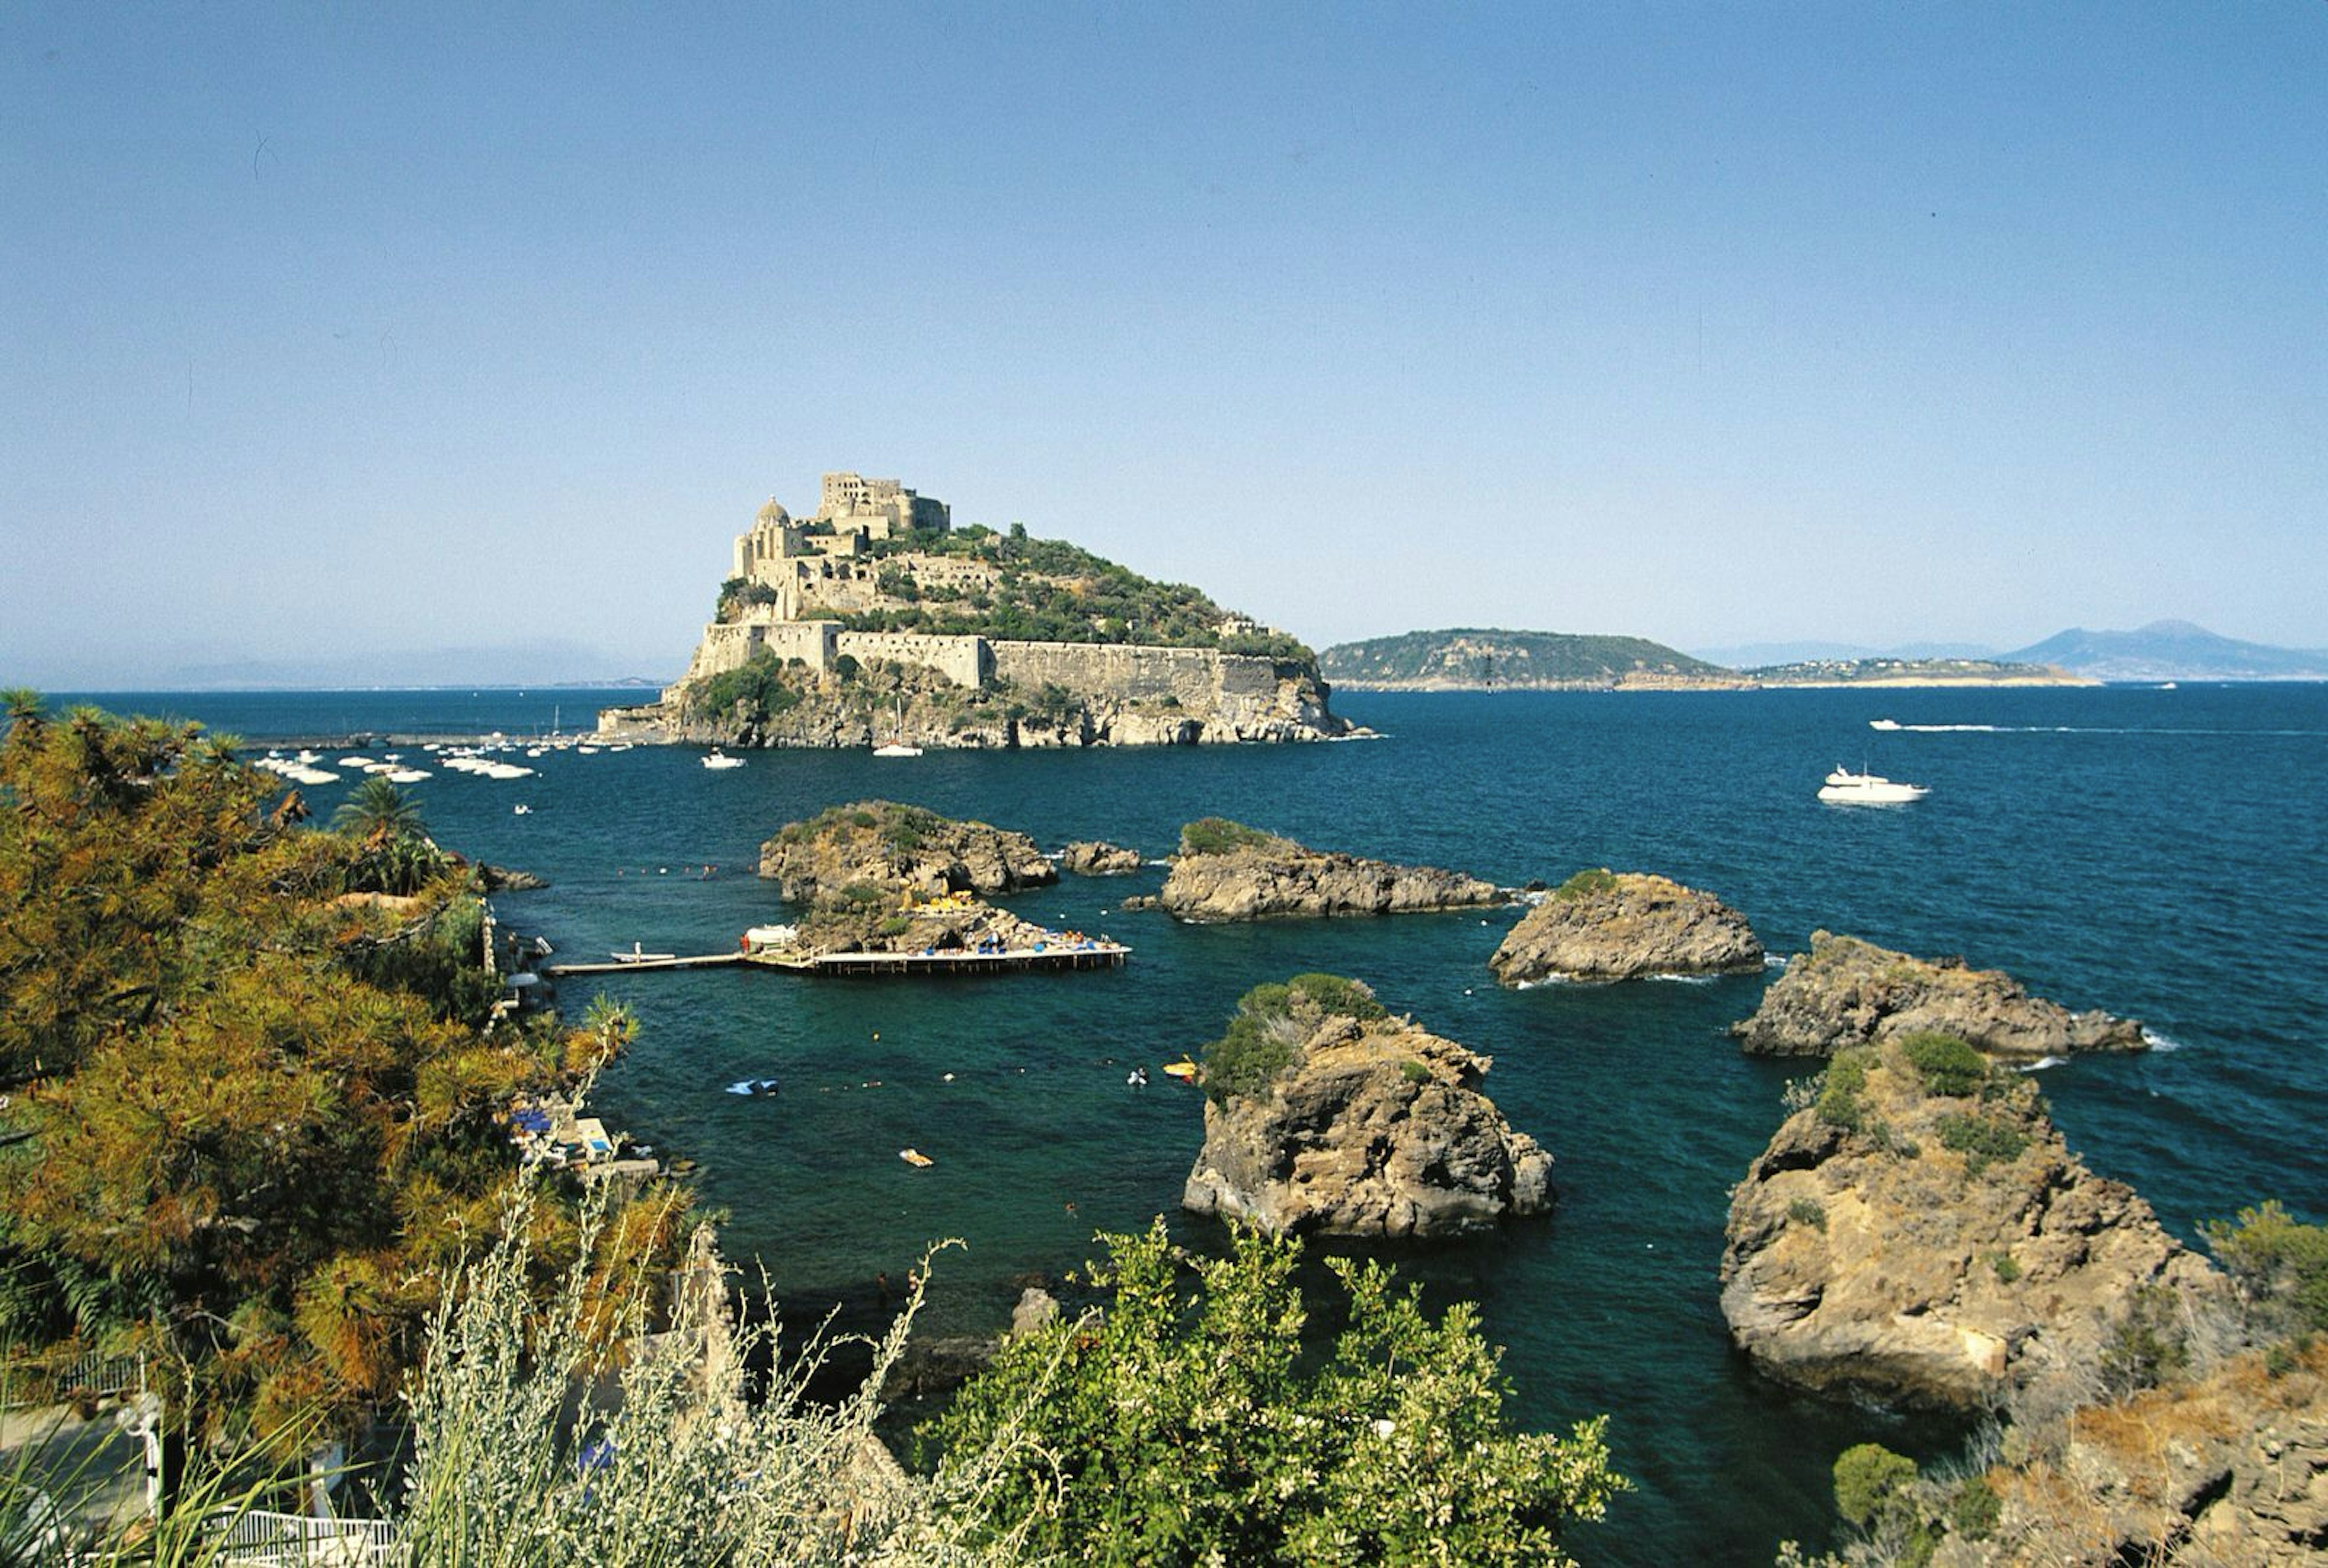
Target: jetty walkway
1083 955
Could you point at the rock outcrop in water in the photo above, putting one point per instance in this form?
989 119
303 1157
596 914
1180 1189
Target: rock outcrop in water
1227 871
1847 992
882 845
1325 1113
1921 1234
1093 858
1604 925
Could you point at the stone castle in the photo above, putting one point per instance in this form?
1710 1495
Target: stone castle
794 579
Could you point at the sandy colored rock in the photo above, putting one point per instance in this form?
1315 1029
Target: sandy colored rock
1226 871
1094 858
1941 1249
1847 992
1375 1128
1603 925
2229 1469
899 848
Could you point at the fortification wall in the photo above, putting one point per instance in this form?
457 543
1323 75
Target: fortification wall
730 645
1202 679
964 660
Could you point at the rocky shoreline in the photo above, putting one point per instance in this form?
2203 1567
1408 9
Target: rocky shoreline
1846 992
1227 871
1325 1113
1605 925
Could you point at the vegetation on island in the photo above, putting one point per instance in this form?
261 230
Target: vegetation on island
1050 591
1220 835
1488 657
1270 1024
250 1072
1189 1422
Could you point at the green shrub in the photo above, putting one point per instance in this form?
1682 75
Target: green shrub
1870 1482
2007 1269
1946 1065
1838 1104
1807 1211
864 819
1220 835
1414 1072
1974 1510
1983 1140
1270 1023
2148 1346
1188 1423
895 925
2281 1265
1600 879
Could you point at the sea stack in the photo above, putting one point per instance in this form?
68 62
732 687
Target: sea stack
1921 1235
1846 992
1324 1113
1606 926
1228 871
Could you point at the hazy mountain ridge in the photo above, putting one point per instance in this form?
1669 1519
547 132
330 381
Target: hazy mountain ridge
2172 651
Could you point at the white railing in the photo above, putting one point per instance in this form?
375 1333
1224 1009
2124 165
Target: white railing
258 1539
35 1382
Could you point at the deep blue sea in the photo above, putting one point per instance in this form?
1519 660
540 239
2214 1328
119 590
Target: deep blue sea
2160 853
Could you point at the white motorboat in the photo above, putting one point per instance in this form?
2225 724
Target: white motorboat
635 955
1882 724
897 748
719 759
1846 788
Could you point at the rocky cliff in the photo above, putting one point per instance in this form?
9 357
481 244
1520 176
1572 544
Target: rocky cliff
2228 1470
893 848
1093 858
1601 926
1227 871
1324 1113
1846 992
1920 1234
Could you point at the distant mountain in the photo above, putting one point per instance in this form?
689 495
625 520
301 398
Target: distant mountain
1763 655
544 664
2172 651
1470 658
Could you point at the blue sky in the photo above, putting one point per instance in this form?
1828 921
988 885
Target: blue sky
349 332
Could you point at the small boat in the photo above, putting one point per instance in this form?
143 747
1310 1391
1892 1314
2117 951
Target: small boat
521 811
1882 724
1184 1069
755 1088
636 956
720 759
897 748
1846 788
914 1157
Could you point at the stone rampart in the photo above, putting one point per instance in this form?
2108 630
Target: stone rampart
963 660
1201 680
731 645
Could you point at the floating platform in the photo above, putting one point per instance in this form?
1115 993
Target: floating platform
1095 955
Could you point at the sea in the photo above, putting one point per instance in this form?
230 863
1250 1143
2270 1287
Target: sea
2161 853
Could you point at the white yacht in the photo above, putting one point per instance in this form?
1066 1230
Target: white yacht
718 759
1846 788
897 748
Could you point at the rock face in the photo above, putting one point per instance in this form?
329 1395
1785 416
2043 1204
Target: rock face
1848 992
1606 926
2229 1470
1093 859
899 848
1226 871
1373 1127
1921 1234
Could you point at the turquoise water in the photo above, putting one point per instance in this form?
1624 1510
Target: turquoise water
2157 853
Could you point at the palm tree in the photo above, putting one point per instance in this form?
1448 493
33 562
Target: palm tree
377 811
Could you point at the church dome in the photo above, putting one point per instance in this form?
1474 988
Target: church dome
771 512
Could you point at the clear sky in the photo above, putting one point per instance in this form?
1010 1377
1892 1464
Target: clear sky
344 332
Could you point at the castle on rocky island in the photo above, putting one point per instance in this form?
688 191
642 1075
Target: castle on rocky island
802 588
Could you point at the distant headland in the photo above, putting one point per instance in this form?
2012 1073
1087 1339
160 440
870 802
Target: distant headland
877 620
1474 659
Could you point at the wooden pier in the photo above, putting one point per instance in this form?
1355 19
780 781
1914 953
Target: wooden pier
1094 955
